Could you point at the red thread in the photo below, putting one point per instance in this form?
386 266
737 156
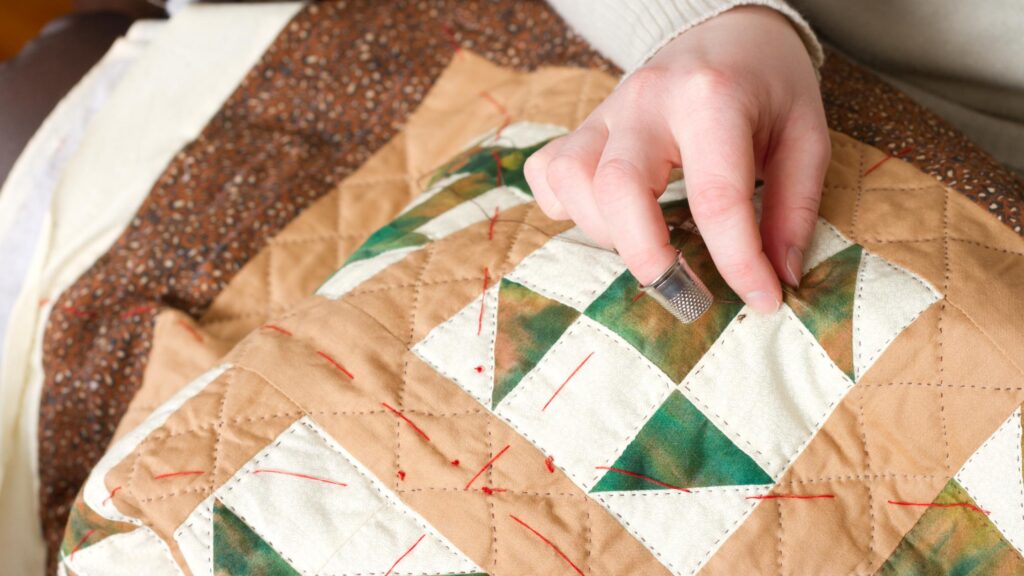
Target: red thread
450 34
486 466
494 219
455 462
401 474
549 543
182 473
933 505
497 164
506 118
638 296
483 302
335 363
409 422
642 477
479 369
77 311
402 557
276 329
297 475
80 542
491 491
549 463
898 154
188 328
136 311
111 496
790 497
566 382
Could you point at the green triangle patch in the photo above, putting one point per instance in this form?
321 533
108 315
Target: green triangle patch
680 447
824 303
955 537
237 549
528 325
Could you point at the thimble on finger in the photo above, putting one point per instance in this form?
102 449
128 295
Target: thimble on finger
681 292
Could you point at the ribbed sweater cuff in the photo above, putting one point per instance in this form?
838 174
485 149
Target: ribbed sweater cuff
629 32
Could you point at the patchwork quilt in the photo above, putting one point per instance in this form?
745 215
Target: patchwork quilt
480 390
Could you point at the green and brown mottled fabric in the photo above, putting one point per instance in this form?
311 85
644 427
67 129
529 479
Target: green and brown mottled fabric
679 446
238 551
653 330
528 325
824 303
953 540
86 527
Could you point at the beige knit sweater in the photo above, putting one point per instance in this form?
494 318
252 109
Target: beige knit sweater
965 60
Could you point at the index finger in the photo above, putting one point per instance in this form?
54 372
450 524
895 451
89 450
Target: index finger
718 164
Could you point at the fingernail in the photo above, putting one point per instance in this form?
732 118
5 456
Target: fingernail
794 265
762 302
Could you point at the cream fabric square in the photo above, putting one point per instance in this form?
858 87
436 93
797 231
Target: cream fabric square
568 269
320 527
888 299
768 385
683 530
586 400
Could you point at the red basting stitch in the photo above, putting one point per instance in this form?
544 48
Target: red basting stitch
80 542
506 117
549 543
479 369
642 477
407 421
111 496
336 364
188 328
549 463
77 312
401 474
276 328
494 219
450 34
455 462
790 497
483 302
402 557
297 475
497 163
566 382
933 505
898 154
491 491
182 473
638 296
136 311
486 466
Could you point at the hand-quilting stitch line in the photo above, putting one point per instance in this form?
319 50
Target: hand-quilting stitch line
619 345
942 337
868 466
780 543
391 500
860 193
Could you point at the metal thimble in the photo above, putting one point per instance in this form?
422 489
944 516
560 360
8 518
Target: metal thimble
681 292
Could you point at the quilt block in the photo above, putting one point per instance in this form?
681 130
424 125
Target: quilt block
480 390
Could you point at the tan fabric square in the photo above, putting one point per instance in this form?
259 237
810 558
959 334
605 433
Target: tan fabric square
903 429
923 205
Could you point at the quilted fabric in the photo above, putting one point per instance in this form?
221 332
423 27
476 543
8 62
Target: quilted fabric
408 404
101 335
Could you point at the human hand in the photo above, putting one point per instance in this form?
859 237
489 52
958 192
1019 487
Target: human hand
730 100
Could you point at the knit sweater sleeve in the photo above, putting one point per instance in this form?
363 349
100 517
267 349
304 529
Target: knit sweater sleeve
629 32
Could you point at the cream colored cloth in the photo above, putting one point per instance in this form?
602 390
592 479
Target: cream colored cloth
161 103
964 60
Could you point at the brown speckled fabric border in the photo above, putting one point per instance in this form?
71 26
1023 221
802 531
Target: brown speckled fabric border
336 84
